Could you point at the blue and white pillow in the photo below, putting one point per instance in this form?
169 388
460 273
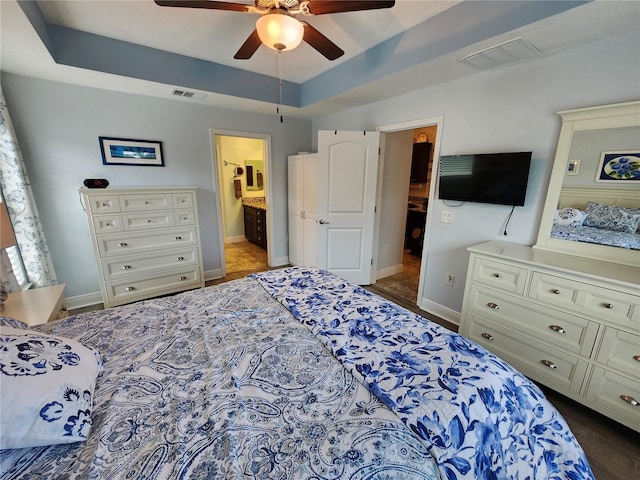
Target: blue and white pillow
569 217
47 388
609 217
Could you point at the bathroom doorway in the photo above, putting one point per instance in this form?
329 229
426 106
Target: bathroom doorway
241 162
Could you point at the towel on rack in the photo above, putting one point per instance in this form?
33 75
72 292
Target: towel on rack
237 186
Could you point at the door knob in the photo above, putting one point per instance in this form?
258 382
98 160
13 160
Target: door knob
323 222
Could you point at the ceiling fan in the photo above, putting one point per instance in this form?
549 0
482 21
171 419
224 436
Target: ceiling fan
277 26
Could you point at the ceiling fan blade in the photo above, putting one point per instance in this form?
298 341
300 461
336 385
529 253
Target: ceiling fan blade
235 7
322 7
249 47
321 43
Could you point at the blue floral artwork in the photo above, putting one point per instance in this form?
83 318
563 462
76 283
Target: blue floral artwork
619 167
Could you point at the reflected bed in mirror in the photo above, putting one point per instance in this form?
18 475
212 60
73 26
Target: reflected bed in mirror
608 216
607 230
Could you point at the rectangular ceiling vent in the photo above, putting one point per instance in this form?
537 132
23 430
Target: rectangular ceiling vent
186 94
502 54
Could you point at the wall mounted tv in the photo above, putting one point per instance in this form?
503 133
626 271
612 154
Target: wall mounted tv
499 178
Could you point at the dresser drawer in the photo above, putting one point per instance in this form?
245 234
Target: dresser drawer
504 276
183 200
563 330
607 388
148 263
98 204
107 224
137 242
129 290
536 359
136 202
184 217
147 221
620 350
583 298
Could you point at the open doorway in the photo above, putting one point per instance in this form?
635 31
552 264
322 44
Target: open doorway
241 161
405 189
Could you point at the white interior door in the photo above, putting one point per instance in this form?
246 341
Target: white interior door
347 181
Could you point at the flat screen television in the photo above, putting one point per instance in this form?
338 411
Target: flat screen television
499 178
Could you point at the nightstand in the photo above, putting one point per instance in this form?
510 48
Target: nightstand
36 306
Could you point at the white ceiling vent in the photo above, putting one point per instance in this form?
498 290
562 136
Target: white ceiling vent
502 54
186 94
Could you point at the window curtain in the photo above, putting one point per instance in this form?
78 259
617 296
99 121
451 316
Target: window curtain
18 197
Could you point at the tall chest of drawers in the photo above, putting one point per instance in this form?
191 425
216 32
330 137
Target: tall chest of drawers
146 241
570 323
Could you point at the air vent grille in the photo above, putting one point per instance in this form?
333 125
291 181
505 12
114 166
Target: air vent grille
505 53
176 92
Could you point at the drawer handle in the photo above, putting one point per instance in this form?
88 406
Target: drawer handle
495 306
180 259
104 204
149 220
637 358
497 275
608 306
488 336
555 291
630 400
178 238
122 244
182 278
548 363
557 328
126 267
130 289
185 218
146 202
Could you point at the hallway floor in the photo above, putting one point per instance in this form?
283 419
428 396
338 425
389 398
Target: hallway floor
405 283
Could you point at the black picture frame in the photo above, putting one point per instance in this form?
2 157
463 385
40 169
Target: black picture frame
126 151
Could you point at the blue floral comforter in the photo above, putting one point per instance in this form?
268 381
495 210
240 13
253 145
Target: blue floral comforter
597 236
221 383
479 417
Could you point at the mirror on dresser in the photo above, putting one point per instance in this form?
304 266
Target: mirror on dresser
591 141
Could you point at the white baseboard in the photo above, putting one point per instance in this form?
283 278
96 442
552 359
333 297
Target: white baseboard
280 261
387 272
236 239
441 311
81 301
212 274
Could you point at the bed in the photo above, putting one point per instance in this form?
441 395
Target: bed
600 216
286 374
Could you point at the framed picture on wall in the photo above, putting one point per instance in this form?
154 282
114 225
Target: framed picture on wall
573 167
124 151
621 167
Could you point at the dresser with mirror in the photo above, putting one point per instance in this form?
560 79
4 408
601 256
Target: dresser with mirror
566 311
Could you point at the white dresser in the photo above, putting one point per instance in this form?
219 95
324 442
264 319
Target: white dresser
146 241
568 322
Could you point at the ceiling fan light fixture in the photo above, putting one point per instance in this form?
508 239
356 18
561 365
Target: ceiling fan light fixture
279 31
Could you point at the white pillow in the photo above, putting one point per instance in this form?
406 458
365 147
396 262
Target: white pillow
570 217
47 389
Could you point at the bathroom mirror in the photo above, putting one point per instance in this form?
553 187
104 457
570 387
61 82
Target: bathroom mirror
255 174
593 143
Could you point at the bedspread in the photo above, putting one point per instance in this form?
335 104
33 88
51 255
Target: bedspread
479 417
222 383
597 236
